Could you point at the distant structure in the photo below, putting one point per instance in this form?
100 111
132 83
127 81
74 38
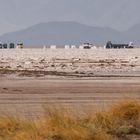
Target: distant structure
19 46
73 46
109 45
11 45
6 46
67 47
53 47
1 45
86 46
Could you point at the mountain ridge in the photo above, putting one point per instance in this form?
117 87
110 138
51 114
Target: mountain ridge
61 33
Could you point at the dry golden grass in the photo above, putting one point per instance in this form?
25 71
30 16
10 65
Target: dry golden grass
114 123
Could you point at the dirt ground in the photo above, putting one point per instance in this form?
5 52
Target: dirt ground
29 96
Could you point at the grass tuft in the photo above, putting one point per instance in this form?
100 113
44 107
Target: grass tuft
117 122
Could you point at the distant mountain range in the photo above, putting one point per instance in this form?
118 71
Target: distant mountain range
61 33
117 14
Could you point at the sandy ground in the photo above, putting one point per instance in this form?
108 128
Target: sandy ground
31 79
29 97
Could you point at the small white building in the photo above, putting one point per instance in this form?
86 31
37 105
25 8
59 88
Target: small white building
67 47
53 47
73 46
81 47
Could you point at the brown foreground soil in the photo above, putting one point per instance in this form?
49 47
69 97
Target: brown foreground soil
29 96
34 97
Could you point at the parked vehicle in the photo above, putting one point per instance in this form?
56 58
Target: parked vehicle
109 45
20 46
11 45
0 45
5 46
86 46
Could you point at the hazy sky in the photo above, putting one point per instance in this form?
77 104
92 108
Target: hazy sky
118 14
